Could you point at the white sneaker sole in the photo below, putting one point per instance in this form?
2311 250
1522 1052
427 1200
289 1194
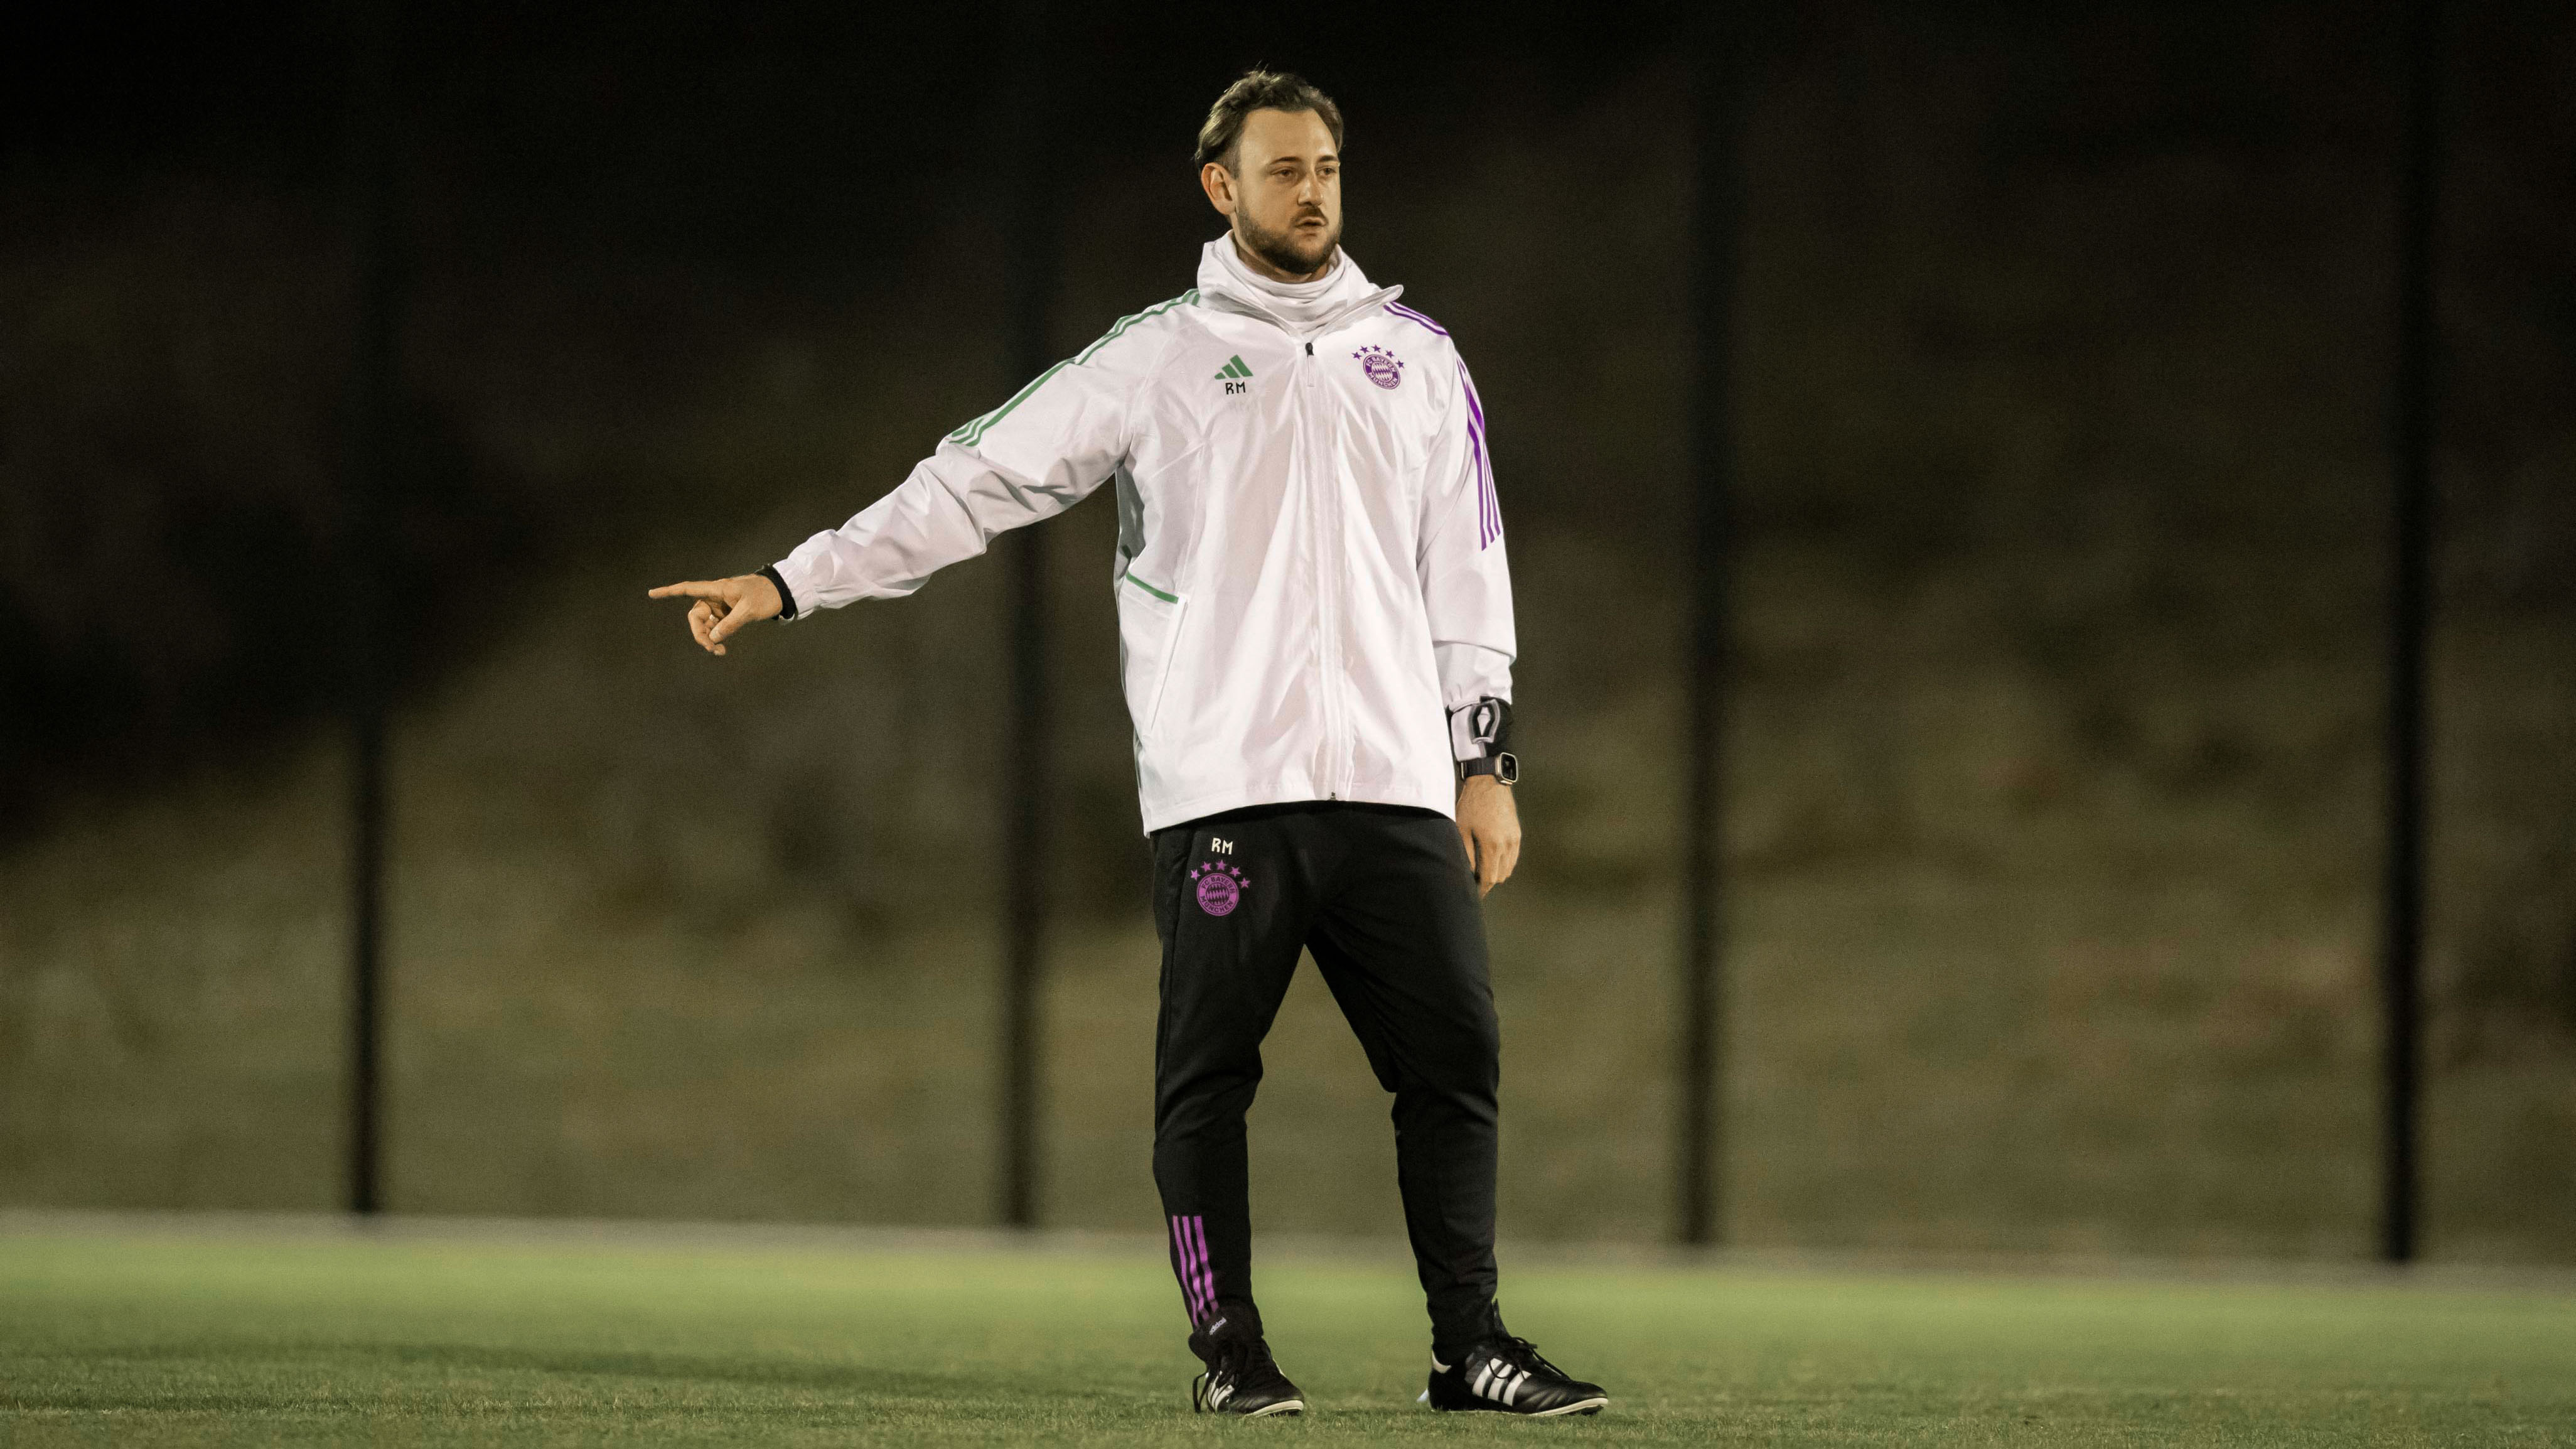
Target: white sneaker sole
1200 1405
1580 1406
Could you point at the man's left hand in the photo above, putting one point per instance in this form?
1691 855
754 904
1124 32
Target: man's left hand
1490 825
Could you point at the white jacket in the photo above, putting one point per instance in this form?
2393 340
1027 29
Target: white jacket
1310 570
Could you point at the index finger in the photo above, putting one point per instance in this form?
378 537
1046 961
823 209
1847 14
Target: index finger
694 589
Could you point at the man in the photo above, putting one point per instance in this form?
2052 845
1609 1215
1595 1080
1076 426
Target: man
1315 633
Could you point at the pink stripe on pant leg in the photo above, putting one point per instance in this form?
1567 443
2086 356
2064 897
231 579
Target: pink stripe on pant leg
1191 1274
1207 1271
1182 1270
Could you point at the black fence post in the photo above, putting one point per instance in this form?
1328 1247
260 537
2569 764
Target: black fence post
1028 784
375 143
2411 525
1716 219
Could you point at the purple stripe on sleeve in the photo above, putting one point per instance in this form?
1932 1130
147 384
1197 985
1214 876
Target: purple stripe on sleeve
1489 512
1401 310
1489 508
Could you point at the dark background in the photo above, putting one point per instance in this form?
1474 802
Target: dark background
2065 359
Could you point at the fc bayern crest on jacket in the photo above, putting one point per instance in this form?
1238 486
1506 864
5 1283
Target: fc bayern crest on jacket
1221 887
1383 367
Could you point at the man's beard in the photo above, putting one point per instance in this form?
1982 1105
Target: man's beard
1279 248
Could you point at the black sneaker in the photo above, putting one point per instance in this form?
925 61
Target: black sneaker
1507 1376
1240 1378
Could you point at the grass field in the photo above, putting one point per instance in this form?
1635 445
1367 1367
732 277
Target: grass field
132 1335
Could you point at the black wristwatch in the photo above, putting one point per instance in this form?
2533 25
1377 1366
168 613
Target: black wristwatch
1505 767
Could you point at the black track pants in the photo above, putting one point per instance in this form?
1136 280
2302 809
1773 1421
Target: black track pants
1383 897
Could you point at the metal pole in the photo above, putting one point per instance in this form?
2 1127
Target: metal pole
2409 634
1031 292
1716 220
375 204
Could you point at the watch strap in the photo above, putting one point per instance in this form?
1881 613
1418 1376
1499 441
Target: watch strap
786 597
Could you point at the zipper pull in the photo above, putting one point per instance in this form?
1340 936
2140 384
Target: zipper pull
1310 349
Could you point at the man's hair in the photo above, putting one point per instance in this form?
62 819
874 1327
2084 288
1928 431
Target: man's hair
1261 90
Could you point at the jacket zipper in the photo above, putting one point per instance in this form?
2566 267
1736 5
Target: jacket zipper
1326 533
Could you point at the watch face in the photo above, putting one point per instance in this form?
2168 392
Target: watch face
1507 768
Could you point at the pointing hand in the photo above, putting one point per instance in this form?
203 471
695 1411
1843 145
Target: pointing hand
724 605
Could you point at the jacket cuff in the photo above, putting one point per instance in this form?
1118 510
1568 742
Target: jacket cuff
1480 730
786 595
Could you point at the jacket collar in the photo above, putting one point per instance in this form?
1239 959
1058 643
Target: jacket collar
1225 282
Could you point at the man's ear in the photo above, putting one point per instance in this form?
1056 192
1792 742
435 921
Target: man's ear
1219 185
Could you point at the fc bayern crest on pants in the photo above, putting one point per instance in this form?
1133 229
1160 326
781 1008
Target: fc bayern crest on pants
1221 887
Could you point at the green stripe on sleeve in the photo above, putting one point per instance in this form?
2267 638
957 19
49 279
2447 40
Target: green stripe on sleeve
1132 319
973 432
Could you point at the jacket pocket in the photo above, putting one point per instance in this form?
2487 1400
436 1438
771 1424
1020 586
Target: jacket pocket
1149 635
